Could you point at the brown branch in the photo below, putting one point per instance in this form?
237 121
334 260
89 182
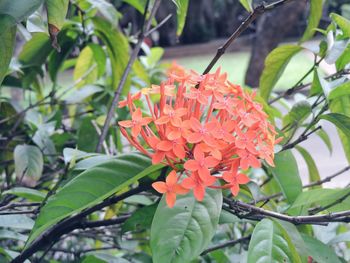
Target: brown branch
259 10
319 182
230 243
145 28
244 210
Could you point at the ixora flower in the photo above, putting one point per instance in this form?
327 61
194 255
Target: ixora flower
205 128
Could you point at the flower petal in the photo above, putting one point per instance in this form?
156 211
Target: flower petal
199 192
191 165
242 179
160 187
165 146
126 124
170 199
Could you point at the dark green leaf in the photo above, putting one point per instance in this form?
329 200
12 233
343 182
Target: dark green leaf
341 121
36 50
315 15
118 50
299 112
91 187
140 219
181 233
271 243
19 9
325 138
316 197
287 175
314 175
27 193
8 37
320 252
87 135
28 161
275 64
182 6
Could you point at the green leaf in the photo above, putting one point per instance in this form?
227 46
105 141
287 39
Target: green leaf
343 23
16 221
343 59
320 252
140 219
299 112
342 105
315 15
28 161
316 197
91 187
247 4
181 233
107 10
182 7
36 50
341 90
140 6
8 37
341 121
325 138
314 175
27 193
316 87
344 237
19 9
87 135
7 234
275 64
56 12
118 50
271 243
287 175
86 69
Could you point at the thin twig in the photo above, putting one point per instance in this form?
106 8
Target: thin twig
259 10
230 243
145 28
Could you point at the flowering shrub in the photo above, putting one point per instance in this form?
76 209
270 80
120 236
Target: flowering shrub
205 128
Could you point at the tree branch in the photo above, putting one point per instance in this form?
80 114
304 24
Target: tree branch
230 243
259 10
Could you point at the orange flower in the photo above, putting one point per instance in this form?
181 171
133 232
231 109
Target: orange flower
136 123
217 128
170 188
234 178
201 164
171 115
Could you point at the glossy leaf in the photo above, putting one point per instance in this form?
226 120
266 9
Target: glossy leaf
85 71
182 6
8 37
27 193
299 112
343 59
314 175
247 4
118 50
316 197
325 138
107 10
341 90
342 105
287 175
271 243
341 121
19 9
315 15
91 187
343 23
181 233
275 64
56 12
319 251
28 161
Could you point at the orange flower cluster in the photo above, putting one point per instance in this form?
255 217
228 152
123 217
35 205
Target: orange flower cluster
204 127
